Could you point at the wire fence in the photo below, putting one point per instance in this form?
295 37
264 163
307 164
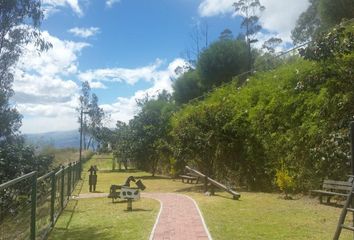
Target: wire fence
30 205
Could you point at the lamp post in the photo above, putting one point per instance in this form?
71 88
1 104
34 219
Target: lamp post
80 155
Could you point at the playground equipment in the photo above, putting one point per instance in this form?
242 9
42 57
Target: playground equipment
235 195
126 192
93 178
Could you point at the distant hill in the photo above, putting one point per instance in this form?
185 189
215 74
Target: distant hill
65 139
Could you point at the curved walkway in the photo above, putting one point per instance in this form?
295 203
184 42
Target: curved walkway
179 218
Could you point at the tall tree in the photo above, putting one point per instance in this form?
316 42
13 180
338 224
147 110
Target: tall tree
332 12
187 87
226 35
19 25
319 17
95 124
271 44
92 116
83 109
221 62
249 10
145 140
307 24
199 37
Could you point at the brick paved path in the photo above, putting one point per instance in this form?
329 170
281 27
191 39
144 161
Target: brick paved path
179 218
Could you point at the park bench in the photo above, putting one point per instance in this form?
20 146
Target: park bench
189 178
332 188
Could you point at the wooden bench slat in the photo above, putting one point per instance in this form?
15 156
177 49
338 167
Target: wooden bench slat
329 193
188 177
339 183
333 187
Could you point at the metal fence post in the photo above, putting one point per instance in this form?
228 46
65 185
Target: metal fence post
33 206
72 176
351 128
52 198
69 180
75 174
62 188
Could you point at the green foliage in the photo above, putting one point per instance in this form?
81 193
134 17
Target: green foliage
221 62
187 87
284 181
295 116
334 44
145 140
307 25
332 12
248 9
320 16
17 159
19 25
92 118
271 44
226 34
298 113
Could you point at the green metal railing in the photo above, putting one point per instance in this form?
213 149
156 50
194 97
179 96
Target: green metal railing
30 205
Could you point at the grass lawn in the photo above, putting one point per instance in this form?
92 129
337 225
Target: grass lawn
100 219
267 216
254 216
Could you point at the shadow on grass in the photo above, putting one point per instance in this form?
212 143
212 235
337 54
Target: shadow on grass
226 197
194 188
152 178
119 201
72 210
138 210
200 189
120 171
84 233
78 187
332 204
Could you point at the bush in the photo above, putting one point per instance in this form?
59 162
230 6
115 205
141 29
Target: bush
285 182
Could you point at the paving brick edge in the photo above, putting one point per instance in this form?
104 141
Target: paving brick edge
201 216
147 195
157 219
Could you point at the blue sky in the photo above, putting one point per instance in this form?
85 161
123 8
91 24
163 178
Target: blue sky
125 49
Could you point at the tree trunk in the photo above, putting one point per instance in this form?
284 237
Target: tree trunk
89 143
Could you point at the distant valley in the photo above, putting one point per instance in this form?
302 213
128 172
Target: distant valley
64 139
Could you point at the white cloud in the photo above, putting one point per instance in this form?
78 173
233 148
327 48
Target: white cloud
109 3
52 6
124 109
44 89
130 76
209 8
47 96
84 32
61 59
278 18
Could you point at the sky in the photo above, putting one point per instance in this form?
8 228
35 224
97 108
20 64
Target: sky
125 49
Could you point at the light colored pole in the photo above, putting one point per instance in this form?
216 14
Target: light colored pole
80 155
